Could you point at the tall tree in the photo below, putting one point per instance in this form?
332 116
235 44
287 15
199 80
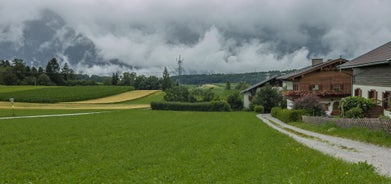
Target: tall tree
53 71
67 72
166 81
228 85
114 79
19 69
128 79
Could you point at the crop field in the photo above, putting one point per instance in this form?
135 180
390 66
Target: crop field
127 96
154 97
59 93
144 146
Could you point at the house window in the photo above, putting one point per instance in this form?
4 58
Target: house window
336 87
295 87
315 87
358 92
372 94
386 100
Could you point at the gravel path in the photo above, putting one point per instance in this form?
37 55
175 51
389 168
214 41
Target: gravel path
346 149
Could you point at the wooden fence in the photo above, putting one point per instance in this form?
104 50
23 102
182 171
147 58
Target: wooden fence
371 123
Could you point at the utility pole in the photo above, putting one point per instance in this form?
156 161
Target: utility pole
180 68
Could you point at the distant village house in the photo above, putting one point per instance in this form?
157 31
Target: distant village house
372 76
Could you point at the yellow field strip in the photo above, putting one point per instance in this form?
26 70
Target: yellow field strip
19 105
127 96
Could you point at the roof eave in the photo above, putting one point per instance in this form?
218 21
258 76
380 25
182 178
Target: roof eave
365 64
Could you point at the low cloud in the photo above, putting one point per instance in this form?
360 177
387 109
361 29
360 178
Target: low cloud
212 36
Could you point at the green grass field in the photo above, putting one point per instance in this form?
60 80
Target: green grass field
144 146
58 93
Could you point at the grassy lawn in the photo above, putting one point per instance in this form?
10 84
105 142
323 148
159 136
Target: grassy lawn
356 133
143 146
59 93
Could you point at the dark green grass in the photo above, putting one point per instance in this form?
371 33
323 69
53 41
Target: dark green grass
143 146
155 97
356 133
63 93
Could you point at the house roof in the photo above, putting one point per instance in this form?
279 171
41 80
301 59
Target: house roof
380 55
310 69
259 84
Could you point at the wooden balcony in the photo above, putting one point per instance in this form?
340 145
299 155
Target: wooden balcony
322 94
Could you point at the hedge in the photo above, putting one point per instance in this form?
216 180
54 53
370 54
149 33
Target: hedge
259 109
287 115
185 106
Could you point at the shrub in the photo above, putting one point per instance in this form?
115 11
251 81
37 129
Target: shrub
186 106
287 115
354 101
235 101
177 94
259 109
355 112
268 97
275 110
310 103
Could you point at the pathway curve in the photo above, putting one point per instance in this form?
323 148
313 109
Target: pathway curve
346 149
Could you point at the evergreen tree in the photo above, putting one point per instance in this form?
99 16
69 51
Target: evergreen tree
114 79
67 73
166 81
228 85
53 71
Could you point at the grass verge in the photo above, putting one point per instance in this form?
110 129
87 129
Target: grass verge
142 146
381 138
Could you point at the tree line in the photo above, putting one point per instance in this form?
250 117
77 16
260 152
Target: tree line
16 72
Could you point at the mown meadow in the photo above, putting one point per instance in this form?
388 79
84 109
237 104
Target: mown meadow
144 146
53 94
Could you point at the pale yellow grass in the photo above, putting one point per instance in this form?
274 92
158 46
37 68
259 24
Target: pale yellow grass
127 96
20 105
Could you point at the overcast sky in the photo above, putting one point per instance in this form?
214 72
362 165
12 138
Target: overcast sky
218 36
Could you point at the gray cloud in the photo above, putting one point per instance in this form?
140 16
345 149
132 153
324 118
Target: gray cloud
213 35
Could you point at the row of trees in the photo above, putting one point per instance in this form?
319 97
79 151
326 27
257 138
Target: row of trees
17 72
141 82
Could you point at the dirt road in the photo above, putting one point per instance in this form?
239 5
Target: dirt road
346 149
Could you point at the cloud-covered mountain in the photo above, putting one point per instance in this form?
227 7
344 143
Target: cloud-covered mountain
49 36
213 36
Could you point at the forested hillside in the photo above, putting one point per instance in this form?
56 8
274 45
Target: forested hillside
250 78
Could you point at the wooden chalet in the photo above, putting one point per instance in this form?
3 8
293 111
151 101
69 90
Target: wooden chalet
323 79
372 76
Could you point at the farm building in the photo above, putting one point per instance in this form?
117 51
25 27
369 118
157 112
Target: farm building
322 79
372 76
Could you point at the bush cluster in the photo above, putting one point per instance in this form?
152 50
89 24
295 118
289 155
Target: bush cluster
351 102
355 112
310 103
259 109
235 101
287 115
185 106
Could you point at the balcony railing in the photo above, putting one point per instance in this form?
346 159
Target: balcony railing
301 93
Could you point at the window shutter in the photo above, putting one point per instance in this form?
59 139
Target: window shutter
310 87
331 87
341 86
320 87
